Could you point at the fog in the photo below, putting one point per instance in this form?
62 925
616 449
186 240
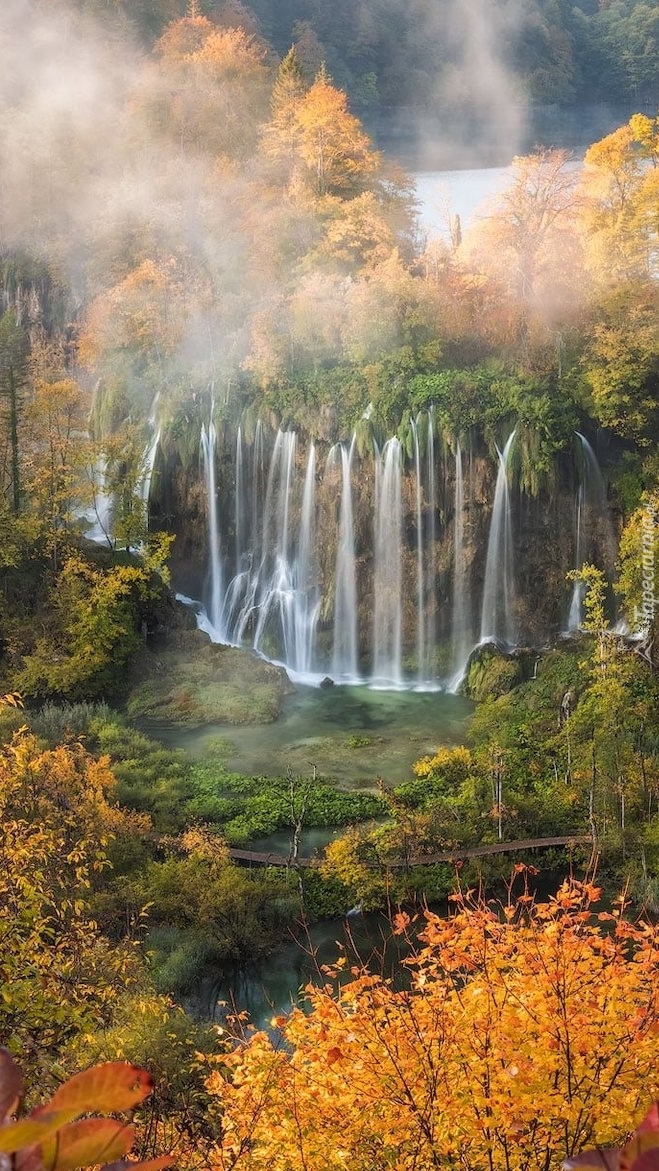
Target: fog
103 167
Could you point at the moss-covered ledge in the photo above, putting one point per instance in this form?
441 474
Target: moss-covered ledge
189 680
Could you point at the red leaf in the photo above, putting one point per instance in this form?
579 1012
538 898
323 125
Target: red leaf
110 1087
651 1120
84 1144
11 1085
606 1159
647 1160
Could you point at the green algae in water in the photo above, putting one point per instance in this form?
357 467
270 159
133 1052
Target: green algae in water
349 734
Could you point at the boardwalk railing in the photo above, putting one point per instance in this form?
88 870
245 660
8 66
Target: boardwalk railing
457 854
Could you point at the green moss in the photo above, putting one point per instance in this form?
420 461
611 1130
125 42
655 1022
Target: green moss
491 675
196 682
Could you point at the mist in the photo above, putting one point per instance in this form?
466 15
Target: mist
107 177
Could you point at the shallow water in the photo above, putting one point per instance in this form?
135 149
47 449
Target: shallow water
349 734
276 985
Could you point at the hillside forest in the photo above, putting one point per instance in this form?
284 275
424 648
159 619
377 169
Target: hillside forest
201 230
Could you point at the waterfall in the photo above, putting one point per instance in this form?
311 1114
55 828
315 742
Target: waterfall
147 473
497 623
149 458
575 616
275 617
273 601
208 442
306 599
431 631
344 653
100 531
420 582
258 483
239 502
387 570
461 641
594 538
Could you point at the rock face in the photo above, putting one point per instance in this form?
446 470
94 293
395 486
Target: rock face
376 565
192 681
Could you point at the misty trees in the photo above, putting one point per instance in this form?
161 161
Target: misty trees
620 199
281 133
13 347
336 153
528 243
209 88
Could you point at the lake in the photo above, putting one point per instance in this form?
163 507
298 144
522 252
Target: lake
444 194
349 734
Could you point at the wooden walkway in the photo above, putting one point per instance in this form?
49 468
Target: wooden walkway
458 854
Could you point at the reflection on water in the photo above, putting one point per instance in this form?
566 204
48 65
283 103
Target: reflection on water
272 988
349 734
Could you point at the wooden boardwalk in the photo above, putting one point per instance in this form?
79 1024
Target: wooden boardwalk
458 854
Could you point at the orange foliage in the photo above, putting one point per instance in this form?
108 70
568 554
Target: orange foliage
527 1032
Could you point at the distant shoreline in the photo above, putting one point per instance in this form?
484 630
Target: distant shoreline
419 140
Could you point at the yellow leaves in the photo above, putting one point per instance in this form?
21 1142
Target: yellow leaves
12 699
517 1035
400 922
331 142
454 763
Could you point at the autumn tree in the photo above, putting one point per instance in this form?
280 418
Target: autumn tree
56 825
612 737
208 90
96 616
528 244
335 152
619 190
620 365
281 133
525 1033
59 456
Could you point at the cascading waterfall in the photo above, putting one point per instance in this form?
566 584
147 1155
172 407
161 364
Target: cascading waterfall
149 458
258 480
497 622
101 530
291 574
575 616
461 639
594 537
276 575
420 577
239 503
149 462
387 569
207 443
344 653
431 620
305 597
